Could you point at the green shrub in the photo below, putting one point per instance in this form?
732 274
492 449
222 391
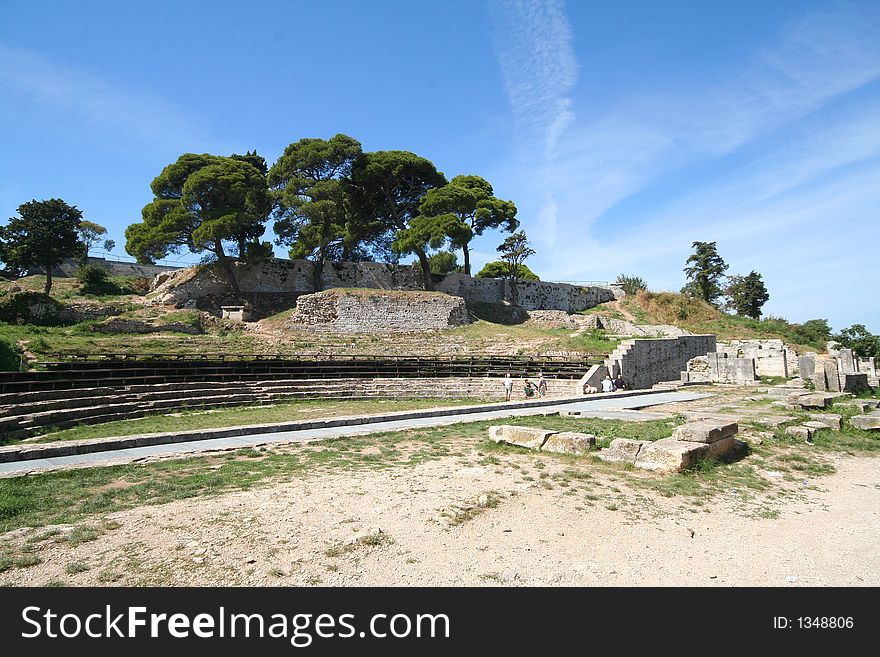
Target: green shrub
31 308
96 280
10 355
631 284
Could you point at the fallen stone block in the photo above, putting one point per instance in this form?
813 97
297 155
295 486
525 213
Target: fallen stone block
569 442
828 420
725 449
815 425
854 382
623 450
705 431
787 406
800 431
520 436
862 405
870 422
669 455
772 421
815 400
756 437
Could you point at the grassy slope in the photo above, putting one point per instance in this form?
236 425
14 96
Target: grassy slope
700 317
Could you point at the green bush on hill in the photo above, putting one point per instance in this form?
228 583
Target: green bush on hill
31 308
10 355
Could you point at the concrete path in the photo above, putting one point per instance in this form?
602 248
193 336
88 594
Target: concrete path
132 454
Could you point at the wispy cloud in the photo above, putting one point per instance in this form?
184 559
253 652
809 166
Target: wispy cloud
534 48
795 152
83 97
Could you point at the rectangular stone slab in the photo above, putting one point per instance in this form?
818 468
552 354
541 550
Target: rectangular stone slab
520 436
569 442
830 420
869 422
623 450
815 400
668 455
705 431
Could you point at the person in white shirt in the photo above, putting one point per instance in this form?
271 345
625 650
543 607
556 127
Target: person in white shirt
607 384
508 387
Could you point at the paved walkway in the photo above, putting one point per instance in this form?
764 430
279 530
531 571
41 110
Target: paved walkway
132 454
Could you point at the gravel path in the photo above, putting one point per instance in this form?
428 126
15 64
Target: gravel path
460 520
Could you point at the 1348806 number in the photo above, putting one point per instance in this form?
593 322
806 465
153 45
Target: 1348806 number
825 622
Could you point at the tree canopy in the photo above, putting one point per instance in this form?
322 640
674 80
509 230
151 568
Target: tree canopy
312 184
747 294
858 338
388 188
44 233
202 202
704 270
443 262
514 250
90 234
500 269
460 210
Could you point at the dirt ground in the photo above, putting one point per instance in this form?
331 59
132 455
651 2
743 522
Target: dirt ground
471 519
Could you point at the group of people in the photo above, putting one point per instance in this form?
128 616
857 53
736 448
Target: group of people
530 389
539 387
608 385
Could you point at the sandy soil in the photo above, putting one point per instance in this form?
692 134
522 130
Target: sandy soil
457 521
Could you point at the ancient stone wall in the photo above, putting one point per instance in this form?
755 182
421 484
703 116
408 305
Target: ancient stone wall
720 368
772 357
377 311
644 362
294 278
68 267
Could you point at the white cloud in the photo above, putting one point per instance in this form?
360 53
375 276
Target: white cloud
798 199
107 108
538 63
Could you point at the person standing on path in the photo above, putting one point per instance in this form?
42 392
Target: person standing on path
508 387
542 385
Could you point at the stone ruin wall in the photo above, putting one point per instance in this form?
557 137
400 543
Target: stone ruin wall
772 357
644 362
289 279
379 312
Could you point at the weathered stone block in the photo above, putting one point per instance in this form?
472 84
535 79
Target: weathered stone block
869 422
705 431
807 365
802 432
569 442
832 375
520 436
623 450
725 448
669 455
828 420
815 400
854 382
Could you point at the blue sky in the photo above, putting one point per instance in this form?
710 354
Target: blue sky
623 131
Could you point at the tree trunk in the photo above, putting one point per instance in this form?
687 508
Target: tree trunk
227 268
426 270
514 292
48 285
467 259
317 272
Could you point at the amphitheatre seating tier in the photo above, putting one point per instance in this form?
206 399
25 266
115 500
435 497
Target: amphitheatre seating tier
25 414
131 371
